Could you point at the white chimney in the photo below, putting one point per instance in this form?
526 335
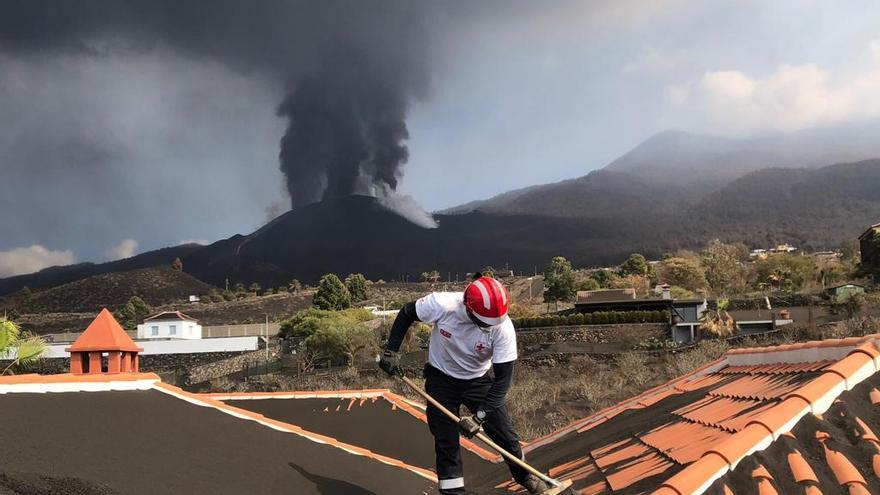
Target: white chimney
667 294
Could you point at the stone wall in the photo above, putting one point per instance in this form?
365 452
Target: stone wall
595 334
229 366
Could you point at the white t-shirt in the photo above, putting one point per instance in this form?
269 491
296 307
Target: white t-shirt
457 346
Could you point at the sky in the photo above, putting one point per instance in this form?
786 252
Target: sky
144 141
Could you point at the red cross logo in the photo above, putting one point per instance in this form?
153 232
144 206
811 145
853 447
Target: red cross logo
480 347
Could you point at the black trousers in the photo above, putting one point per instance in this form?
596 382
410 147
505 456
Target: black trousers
452 393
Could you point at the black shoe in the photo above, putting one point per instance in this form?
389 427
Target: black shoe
534 485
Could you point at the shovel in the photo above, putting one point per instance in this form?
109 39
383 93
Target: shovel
556 487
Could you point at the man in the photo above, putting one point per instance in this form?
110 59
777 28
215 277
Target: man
471 334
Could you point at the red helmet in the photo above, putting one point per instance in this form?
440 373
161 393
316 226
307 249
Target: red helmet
487 300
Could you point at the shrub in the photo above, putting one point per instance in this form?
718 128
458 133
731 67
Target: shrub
356 284
332 294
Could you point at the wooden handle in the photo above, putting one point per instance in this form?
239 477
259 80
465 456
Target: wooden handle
480 435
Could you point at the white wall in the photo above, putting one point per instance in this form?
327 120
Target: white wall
176 346
183 329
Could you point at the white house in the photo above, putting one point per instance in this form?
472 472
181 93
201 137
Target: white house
170 325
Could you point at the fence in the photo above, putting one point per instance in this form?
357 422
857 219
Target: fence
214 331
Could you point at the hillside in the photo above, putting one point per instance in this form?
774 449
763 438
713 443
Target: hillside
57 275
156 286
814 208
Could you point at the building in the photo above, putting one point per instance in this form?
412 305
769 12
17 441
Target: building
844 292
170 325
869 244
592 301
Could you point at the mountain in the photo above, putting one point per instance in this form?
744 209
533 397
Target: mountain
158 285
673 167
809 207
57 275
680 157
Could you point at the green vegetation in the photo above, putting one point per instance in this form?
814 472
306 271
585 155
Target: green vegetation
294 286
356 284
26 347
433 276
717 322
598 318
332 294
559 281
636 264
722 266
786 272
133 313
682 272
334 336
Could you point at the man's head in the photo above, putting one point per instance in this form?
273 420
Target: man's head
486 301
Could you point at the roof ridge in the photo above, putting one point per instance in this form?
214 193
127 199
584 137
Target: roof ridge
815 396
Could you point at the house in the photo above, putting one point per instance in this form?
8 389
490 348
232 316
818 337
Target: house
792 419
170 325
591 301
869 245
844 292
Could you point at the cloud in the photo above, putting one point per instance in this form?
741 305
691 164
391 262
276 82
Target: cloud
125 249
791 97
652 60
22 260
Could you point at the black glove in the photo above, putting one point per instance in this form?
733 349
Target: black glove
469 426
390 362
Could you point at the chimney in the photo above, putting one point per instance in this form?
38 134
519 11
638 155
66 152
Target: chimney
104 336
667 294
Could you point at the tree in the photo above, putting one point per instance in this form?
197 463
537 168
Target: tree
589 284
332 294
294 286
849 250
603 277
356 284
721 265
787 272
488 272
559 281
21 348
682 272
132 313
177 264
255 287
332 335
636 264
433 276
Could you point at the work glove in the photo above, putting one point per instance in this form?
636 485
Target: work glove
469 426
390 362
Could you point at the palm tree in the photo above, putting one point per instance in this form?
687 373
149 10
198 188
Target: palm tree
22 348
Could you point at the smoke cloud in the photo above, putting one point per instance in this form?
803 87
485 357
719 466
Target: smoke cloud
348 69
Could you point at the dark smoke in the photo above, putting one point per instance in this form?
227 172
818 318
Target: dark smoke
346 131
352 67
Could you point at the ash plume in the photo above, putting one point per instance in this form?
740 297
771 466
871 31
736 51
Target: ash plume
349 69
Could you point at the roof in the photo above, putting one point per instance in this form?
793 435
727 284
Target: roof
104 334
362 418
605 295
870 230
170 315
699 432
110 445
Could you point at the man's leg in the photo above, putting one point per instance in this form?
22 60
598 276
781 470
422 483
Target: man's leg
497 425
446 434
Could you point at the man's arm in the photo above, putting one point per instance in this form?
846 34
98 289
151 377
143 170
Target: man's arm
498 391
405 318
390 361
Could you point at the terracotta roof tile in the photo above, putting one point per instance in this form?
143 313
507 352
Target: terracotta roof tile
800 468
668 440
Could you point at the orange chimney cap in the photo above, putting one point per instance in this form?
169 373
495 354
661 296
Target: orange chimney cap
104 334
